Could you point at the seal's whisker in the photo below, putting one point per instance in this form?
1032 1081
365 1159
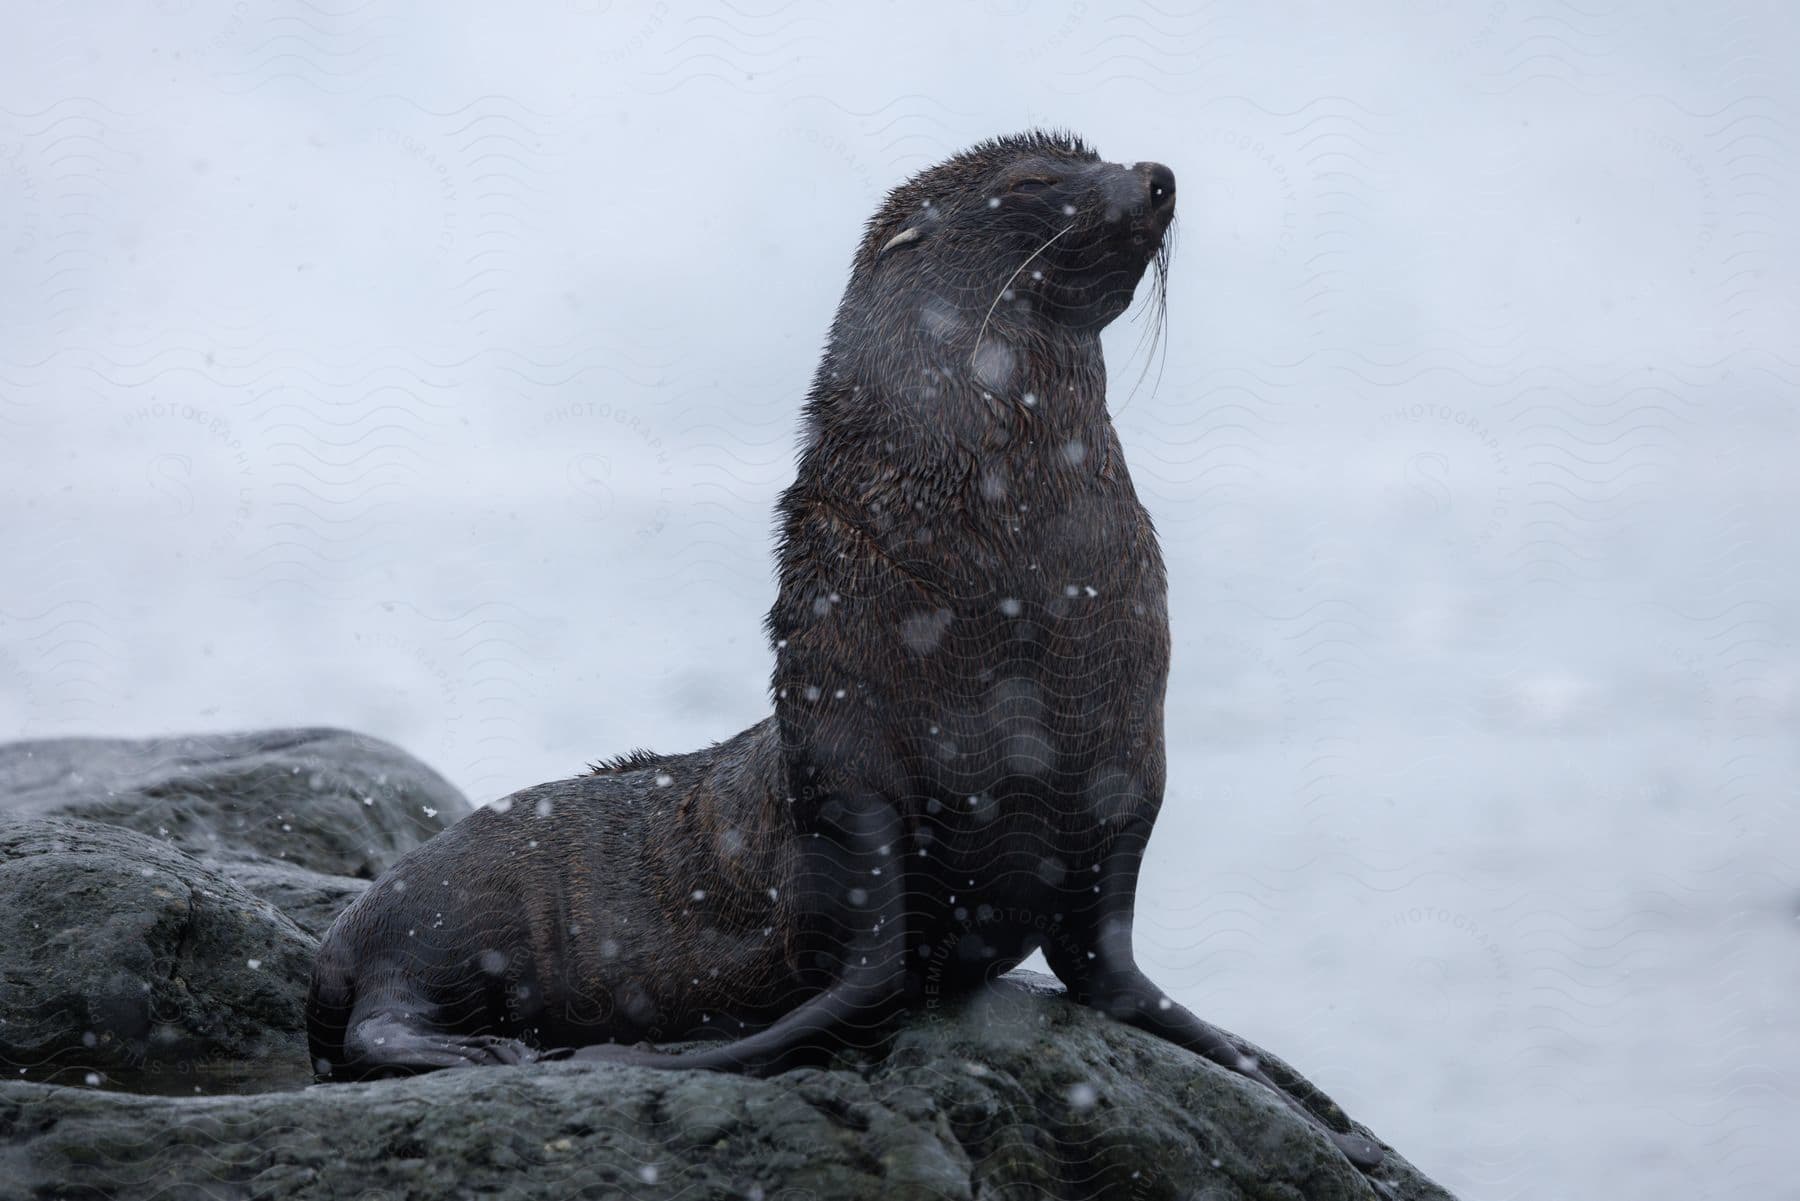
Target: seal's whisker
1156 303
980 333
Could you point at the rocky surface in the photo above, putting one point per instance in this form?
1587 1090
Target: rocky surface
1013 1094
302 818
311 899
159 907
123 953
161 899
329 800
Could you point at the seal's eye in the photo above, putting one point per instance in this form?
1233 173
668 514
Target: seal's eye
1033 183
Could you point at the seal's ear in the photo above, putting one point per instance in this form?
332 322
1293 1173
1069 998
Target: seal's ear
911 234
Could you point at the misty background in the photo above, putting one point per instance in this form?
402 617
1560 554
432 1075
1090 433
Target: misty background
431 370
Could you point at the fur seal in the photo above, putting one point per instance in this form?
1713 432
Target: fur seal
966 756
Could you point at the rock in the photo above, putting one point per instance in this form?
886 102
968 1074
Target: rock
312 899
167 951
143 888
301 818
329 800
1014 1093
120 953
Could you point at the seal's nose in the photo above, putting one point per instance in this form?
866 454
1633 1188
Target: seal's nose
1161 182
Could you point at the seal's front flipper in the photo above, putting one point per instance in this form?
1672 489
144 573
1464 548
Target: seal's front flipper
386 1045
1096 962
1110 980
1131 997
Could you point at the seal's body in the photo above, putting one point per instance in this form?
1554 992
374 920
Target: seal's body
966 758
642 902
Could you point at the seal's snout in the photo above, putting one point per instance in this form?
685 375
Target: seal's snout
1159 182
1141 193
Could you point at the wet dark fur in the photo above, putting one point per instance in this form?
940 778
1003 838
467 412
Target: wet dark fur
971 641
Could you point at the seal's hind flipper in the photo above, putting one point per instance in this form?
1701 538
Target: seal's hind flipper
387 1045
848 1014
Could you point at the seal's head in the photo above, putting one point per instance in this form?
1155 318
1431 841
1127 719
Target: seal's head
1031 233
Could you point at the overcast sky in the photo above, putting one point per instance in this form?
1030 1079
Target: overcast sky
431 369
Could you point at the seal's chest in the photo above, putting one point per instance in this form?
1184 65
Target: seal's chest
1032 701
995 880
1038 828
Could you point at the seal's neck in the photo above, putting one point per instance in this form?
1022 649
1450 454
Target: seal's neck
930 389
